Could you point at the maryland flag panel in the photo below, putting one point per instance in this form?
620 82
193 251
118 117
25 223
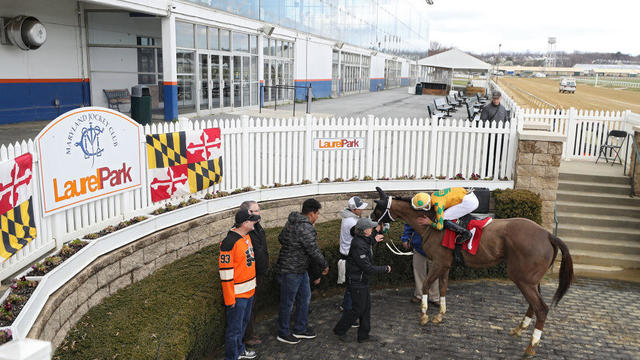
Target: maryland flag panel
184 162
17 224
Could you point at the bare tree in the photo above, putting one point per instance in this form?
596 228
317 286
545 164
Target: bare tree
437 48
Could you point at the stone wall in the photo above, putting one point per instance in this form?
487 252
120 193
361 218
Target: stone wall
137 260
537 169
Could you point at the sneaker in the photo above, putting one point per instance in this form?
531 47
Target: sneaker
309 334
248 354
289 339
356 324
369 339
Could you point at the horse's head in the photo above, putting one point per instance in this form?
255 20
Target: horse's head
380 213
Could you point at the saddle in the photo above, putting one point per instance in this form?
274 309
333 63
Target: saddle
457 245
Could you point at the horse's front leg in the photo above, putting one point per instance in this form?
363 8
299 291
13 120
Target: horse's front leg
435 272
442 282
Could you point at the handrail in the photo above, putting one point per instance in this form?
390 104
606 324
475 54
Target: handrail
633 168
555 218
286 87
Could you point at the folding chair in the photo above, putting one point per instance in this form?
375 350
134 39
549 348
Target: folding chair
613 144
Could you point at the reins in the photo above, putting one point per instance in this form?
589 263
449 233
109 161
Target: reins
390 244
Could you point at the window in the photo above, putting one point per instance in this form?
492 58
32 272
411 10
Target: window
213 39
240 42
224 40
254 44
201 36
184 35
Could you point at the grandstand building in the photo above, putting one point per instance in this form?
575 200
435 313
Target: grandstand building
201 57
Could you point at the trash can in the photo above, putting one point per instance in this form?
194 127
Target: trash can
419 89
141 104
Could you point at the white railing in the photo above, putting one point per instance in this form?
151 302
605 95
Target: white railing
264 152
586 130
608 82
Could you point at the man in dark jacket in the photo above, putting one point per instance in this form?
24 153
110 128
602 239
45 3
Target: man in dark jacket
261 254
299 249
359 268
494 111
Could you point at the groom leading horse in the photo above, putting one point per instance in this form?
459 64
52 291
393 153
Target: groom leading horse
526 247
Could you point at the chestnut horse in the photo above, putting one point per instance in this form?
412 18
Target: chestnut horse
526 247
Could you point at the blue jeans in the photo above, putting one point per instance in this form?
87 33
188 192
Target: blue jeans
237 319
347 304
293 287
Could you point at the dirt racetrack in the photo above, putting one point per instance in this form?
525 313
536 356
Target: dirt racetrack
586 96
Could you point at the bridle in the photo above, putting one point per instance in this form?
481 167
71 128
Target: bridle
390 244
387 211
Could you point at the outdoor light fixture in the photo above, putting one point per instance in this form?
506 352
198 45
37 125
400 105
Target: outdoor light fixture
25 32
429 2
339 44
267 29
374 53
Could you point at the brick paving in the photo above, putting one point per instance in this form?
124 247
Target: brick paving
597 319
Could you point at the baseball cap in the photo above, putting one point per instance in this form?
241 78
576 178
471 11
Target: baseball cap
243 215
496 94
357 203
365 223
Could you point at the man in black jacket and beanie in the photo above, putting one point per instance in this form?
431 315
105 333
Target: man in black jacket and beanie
261 255
299 249
359 268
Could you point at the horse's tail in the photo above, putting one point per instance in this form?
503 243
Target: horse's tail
566 268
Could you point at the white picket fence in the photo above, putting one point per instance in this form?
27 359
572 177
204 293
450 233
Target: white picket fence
586 130
263 152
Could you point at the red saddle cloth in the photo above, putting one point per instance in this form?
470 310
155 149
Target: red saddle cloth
471 245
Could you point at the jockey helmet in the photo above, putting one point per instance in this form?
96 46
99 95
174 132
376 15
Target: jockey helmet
421 201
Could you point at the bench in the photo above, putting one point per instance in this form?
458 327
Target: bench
453 102
473 114
433 113
441 105
116 97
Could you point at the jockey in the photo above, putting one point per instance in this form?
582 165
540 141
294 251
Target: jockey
448 204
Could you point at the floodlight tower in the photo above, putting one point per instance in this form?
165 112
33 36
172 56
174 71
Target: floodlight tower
550 60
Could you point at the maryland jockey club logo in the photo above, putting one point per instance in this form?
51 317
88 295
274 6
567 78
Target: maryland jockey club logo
90 142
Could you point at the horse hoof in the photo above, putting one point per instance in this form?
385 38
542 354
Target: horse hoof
529 352
516 332
437 319
424 319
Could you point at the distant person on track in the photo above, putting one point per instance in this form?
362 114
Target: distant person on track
494 111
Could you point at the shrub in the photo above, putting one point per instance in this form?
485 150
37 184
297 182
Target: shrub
518 203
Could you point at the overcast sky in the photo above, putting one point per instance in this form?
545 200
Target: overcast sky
582 25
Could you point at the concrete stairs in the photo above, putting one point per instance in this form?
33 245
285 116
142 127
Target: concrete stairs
599 221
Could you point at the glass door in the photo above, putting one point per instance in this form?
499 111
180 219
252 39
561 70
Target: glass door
245 80
237 81
226 81
205 81
216 82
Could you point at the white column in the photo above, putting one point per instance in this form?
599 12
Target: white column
169 67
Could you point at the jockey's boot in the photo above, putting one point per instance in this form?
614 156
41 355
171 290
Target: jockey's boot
464 233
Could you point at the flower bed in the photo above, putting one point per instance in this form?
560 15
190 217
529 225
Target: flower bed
5 336
110 229
171 207
21 290
49 263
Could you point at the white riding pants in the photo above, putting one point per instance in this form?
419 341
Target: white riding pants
468 204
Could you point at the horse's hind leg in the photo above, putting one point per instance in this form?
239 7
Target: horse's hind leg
532 294
524 324
442 282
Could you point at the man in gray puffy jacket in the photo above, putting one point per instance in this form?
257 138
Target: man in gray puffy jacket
299 249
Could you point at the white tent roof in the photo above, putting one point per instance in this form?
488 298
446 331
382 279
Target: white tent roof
455 59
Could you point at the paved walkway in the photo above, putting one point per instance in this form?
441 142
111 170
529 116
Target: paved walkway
388 103
597 319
